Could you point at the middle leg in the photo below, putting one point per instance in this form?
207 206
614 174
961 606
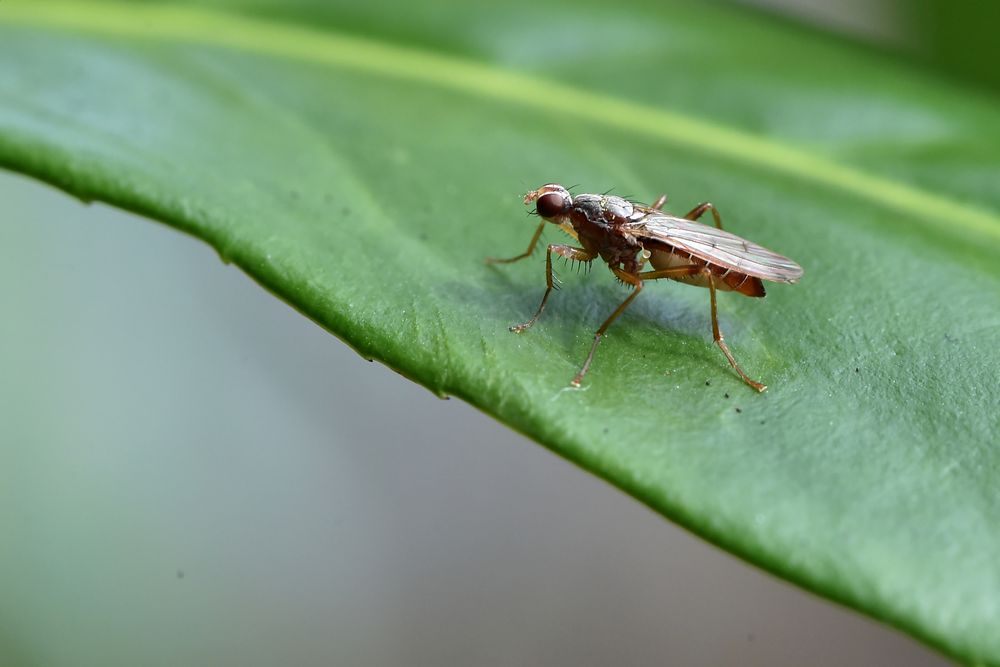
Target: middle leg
527 253
636 280
629 279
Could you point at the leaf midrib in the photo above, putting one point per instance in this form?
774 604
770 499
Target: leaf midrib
265 37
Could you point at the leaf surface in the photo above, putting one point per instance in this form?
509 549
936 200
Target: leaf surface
361 169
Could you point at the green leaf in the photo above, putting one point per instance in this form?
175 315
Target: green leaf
360 163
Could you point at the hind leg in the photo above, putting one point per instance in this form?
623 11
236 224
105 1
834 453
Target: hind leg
699 211
717 335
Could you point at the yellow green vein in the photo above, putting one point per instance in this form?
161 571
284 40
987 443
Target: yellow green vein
195 25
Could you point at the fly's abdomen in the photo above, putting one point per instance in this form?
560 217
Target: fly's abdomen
725 279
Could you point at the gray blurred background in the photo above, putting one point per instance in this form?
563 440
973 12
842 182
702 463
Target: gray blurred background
193 474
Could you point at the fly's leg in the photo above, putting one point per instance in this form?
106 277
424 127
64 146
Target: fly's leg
699 211
694 213
636 281
717 335
672 272
526 253
569 252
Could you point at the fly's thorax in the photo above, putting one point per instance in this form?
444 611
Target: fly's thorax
600 214
605 210
616 210
585 214
623 254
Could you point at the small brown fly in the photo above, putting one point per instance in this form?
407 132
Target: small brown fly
627 235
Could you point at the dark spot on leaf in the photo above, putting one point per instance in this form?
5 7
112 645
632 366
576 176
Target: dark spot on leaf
726 395
180 574
857 370
739 411
707 383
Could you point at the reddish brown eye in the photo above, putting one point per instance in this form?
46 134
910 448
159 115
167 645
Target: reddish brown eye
551 205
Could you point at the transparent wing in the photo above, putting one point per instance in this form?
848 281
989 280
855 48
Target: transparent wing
716 246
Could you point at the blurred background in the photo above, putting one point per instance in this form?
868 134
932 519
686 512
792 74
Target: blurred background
953 38
192 473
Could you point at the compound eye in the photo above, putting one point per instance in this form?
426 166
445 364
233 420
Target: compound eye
551 205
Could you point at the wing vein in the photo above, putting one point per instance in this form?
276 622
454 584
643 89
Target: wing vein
715 246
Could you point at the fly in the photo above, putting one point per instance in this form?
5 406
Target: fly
628 235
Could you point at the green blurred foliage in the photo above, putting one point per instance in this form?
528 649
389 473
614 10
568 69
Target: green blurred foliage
962 37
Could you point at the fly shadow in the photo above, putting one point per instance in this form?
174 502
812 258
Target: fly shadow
665 322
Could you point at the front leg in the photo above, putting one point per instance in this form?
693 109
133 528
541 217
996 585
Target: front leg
569 252
526 253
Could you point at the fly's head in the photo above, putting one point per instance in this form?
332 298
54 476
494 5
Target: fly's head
552 202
